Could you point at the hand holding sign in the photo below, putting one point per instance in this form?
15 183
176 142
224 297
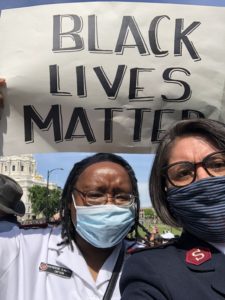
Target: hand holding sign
109 77
2 85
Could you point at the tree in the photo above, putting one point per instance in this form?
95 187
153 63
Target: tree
149 212
44 201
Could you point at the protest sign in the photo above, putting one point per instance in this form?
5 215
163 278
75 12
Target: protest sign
107 76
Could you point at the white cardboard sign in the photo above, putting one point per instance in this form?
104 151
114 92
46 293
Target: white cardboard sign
107 76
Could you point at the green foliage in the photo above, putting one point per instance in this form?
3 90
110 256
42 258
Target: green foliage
149 212
44 201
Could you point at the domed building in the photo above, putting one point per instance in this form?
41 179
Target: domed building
23 169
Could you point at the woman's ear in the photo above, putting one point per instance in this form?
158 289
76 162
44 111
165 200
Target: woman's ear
71 201
72 209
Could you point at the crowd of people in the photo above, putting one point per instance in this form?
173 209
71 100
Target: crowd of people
89 255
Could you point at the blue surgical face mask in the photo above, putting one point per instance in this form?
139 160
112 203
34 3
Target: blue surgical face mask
200 208
104 226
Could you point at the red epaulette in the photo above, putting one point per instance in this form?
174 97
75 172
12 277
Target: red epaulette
33 225
136 248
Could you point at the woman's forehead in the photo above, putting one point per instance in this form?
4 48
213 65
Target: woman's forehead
191 146
104 167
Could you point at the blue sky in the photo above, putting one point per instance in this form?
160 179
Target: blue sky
15 3
141 163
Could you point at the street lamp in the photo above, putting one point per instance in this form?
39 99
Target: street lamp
48 175
47 186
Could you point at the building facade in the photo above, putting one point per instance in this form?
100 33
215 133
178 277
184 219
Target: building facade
23 169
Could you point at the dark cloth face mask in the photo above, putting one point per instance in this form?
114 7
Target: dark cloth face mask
200 208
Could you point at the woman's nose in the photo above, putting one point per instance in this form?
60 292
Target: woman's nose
201 173
110 198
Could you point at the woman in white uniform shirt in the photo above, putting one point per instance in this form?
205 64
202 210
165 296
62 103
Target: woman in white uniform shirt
99 207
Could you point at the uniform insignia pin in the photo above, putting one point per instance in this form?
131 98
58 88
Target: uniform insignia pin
198 256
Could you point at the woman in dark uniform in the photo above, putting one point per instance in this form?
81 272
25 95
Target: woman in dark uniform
187 189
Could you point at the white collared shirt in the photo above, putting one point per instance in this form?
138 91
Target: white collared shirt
6 226
22 252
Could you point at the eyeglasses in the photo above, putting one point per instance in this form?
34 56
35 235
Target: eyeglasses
99 198
184 172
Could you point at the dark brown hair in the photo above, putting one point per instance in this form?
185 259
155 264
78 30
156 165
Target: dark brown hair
211 130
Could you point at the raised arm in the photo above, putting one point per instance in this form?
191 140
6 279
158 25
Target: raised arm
2 85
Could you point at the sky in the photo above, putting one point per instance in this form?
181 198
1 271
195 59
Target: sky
141 163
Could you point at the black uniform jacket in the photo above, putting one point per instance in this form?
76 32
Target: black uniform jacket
187 269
